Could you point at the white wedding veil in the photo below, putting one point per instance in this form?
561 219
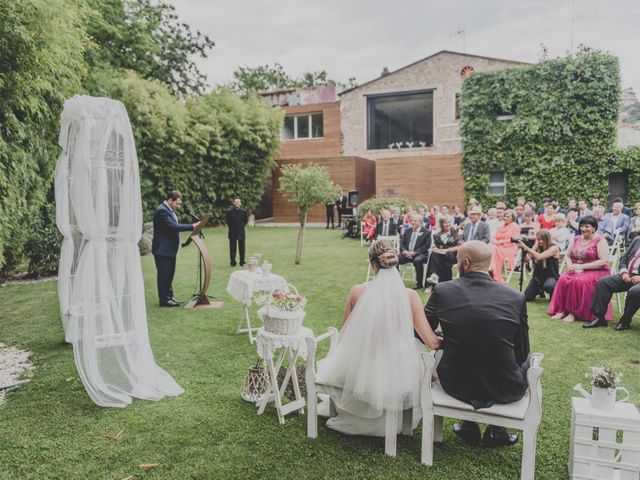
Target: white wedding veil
376 363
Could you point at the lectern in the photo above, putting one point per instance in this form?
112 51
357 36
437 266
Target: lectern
200 299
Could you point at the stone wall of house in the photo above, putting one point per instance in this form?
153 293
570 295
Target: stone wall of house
441 72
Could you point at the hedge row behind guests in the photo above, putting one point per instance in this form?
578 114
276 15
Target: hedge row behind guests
628 280
545 255
587 262
443 253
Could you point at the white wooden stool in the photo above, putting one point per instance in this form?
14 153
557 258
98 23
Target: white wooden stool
605 445
291 347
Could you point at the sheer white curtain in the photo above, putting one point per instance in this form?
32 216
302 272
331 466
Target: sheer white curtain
101 290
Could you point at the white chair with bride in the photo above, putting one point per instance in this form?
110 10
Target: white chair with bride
373 370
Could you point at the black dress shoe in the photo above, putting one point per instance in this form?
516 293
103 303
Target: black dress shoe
469 432
233 264
176 301
242 264
495 437
417 286
598 322
622 325
170 303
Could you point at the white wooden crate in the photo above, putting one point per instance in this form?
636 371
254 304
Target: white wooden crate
605 445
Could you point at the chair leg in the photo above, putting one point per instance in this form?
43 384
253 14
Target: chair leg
390 432
312 413
407 422
528 454
426 451
437 429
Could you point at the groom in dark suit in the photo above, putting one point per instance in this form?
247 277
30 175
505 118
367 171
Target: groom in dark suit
166 240
414 247
486 340
628 280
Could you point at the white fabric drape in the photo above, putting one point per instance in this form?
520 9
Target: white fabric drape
101 290
376 364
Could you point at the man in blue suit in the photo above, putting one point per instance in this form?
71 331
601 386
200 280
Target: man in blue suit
166 240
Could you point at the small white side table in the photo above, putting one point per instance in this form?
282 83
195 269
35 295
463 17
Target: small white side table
242 286
291 347
605 445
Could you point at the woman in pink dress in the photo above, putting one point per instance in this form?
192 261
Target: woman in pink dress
587 261
369 226
506 250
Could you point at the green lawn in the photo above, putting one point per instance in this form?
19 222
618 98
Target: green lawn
49 428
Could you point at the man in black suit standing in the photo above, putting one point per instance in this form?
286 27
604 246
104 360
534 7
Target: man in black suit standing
414 247
385 226
236 220
628 280
166 240
341 205
330 217
486 340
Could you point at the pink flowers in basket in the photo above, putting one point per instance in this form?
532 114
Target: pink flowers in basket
288 302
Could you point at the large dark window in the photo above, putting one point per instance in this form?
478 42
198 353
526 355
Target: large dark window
405 118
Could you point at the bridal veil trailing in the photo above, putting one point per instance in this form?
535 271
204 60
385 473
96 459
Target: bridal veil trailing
100 285
376 363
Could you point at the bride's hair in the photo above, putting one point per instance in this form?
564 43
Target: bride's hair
382 253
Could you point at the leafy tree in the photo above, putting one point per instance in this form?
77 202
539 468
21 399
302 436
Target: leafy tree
146 37
265 77
42 44
305 188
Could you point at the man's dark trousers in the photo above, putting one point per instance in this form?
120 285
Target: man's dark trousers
236 243
605 289
166 267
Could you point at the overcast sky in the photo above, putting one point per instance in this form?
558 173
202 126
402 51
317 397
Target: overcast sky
357 38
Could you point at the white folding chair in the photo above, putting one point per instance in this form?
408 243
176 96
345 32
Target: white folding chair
362 237
315 387
525 414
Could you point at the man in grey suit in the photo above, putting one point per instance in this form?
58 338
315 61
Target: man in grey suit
476 229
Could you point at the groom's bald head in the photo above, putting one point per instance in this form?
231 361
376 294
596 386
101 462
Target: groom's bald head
474 256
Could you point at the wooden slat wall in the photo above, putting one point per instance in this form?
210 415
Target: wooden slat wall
343 171
431 179
327 146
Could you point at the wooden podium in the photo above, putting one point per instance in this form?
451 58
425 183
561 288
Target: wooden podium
200 299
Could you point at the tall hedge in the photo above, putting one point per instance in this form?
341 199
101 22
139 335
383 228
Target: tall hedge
42 45
561 140
211 147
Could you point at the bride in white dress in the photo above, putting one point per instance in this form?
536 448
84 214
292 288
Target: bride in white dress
376 363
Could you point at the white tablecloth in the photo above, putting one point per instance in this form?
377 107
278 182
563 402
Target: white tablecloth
268 343
243 284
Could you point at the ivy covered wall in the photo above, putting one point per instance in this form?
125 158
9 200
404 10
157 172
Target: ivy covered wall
550 127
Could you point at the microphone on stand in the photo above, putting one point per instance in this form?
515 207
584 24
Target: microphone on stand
188 212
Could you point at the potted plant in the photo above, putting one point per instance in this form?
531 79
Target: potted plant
604 386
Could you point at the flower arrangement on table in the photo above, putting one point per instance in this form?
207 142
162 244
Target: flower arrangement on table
283 311
603 377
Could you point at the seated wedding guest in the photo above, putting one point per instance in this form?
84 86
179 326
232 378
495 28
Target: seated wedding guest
414 247
486 341
529 227
493 221
376 363
605 227
619 220
545 201
626 210
369 226
573 217
458 216
596 201
476 229
406 218
561 234
521 201
506 249
548 219
583 209
385 226
628 280
443 253
519 211
634 224
572 204
545 255
444 212
587 262
433 218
